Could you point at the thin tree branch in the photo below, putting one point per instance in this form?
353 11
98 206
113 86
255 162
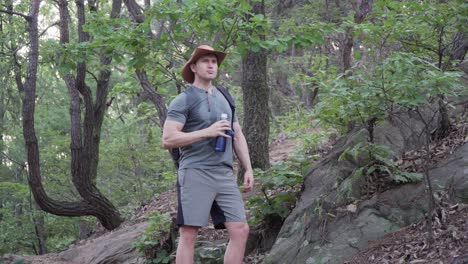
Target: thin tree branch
28 18
16 49
56 23
419 45
92 75
22 165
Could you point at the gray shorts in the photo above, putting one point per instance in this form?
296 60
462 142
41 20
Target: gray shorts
201 192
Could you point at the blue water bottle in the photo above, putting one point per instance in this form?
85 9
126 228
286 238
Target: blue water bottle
220 140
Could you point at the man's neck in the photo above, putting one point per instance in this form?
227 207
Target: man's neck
207 86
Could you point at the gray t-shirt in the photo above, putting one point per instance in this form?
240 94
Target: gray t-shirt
205 109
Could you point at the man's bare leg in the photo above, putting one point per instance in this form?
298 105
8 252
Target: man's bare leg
186 247
238 234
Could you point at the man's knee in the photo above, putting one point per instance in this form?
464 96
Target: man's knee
244 230
240 230
188 233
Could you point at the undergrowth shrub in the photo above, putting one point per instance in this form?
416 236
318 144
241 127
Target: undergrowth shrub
155 243
280 184
279 188
374 160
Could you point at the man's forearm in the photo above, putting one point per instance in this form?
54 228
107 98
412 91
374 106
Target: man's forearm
242 151
173 137
179 139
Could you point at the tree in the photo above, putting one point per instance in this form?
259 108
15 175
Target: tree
256 123
84 142
435 30
362 8
149 92
15 207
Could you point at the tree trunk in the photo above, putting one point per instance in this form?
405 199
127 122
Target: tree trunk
41 233
362 8
149 92
459 47
256 124
83 149
84 228
3 83
86 136
456 52
135 10
348 50
2 119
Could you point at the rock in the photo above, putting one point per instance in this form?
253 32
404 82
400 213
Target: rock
464 66
210 252
453 173
112 247
12 259
263 236
461 259
310 238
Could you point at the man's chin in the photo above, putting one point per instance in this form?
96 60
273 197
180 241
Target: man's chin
210 78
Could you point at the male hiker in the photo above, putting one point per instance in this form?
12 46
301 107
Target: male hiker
206 184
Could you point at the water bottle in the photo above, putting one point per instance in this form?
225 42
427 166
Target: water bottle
220 140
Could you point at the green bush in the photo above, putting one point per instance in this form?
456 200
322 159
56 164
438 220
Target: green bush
401 81
153 243
281 178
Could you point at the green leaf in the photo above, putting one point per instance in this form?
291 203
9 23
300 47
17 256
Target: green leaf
357 54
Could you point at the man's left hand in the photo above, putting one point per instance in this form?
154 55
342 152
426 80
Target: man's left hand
248 181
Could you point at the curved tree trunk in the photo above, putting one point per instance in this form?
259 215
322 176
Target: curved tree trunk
84 148
47 204
256 124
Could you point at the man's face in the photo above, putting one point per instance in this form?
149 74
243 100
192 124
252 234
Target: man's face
206 68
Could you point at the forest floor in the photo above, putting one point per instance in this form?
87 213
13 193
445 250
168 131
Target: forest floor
449 219
408 245
167 203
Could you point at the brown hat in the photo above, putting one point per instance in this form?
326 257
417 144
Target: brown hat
202 50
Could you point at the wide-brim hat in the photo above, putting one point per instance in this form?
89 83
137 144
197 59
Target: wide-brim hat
200 51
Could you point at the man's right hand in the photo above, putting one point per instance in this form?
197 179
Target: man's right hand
218 128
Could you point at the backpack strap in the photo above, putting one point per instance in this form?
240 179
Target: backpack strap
175 155
230 100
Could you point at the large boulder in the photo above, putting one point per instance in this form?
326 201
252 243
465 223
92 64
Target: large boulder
327 228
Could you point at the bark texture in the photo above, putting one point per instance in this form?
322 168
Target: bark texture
256 123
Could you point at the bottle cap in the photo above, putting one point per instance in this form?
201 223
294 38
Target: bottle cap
224 116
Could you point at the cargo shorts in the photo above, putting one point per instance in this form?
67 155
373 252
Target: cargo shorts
208 191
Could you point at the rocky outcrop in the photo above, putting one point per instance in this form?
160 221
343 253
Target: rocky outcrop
112 247
327 228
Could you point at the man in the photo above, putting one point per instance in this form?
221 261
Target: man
206 184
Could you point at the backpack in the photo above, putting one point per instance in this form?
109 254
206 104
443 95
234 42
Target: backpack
175 152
